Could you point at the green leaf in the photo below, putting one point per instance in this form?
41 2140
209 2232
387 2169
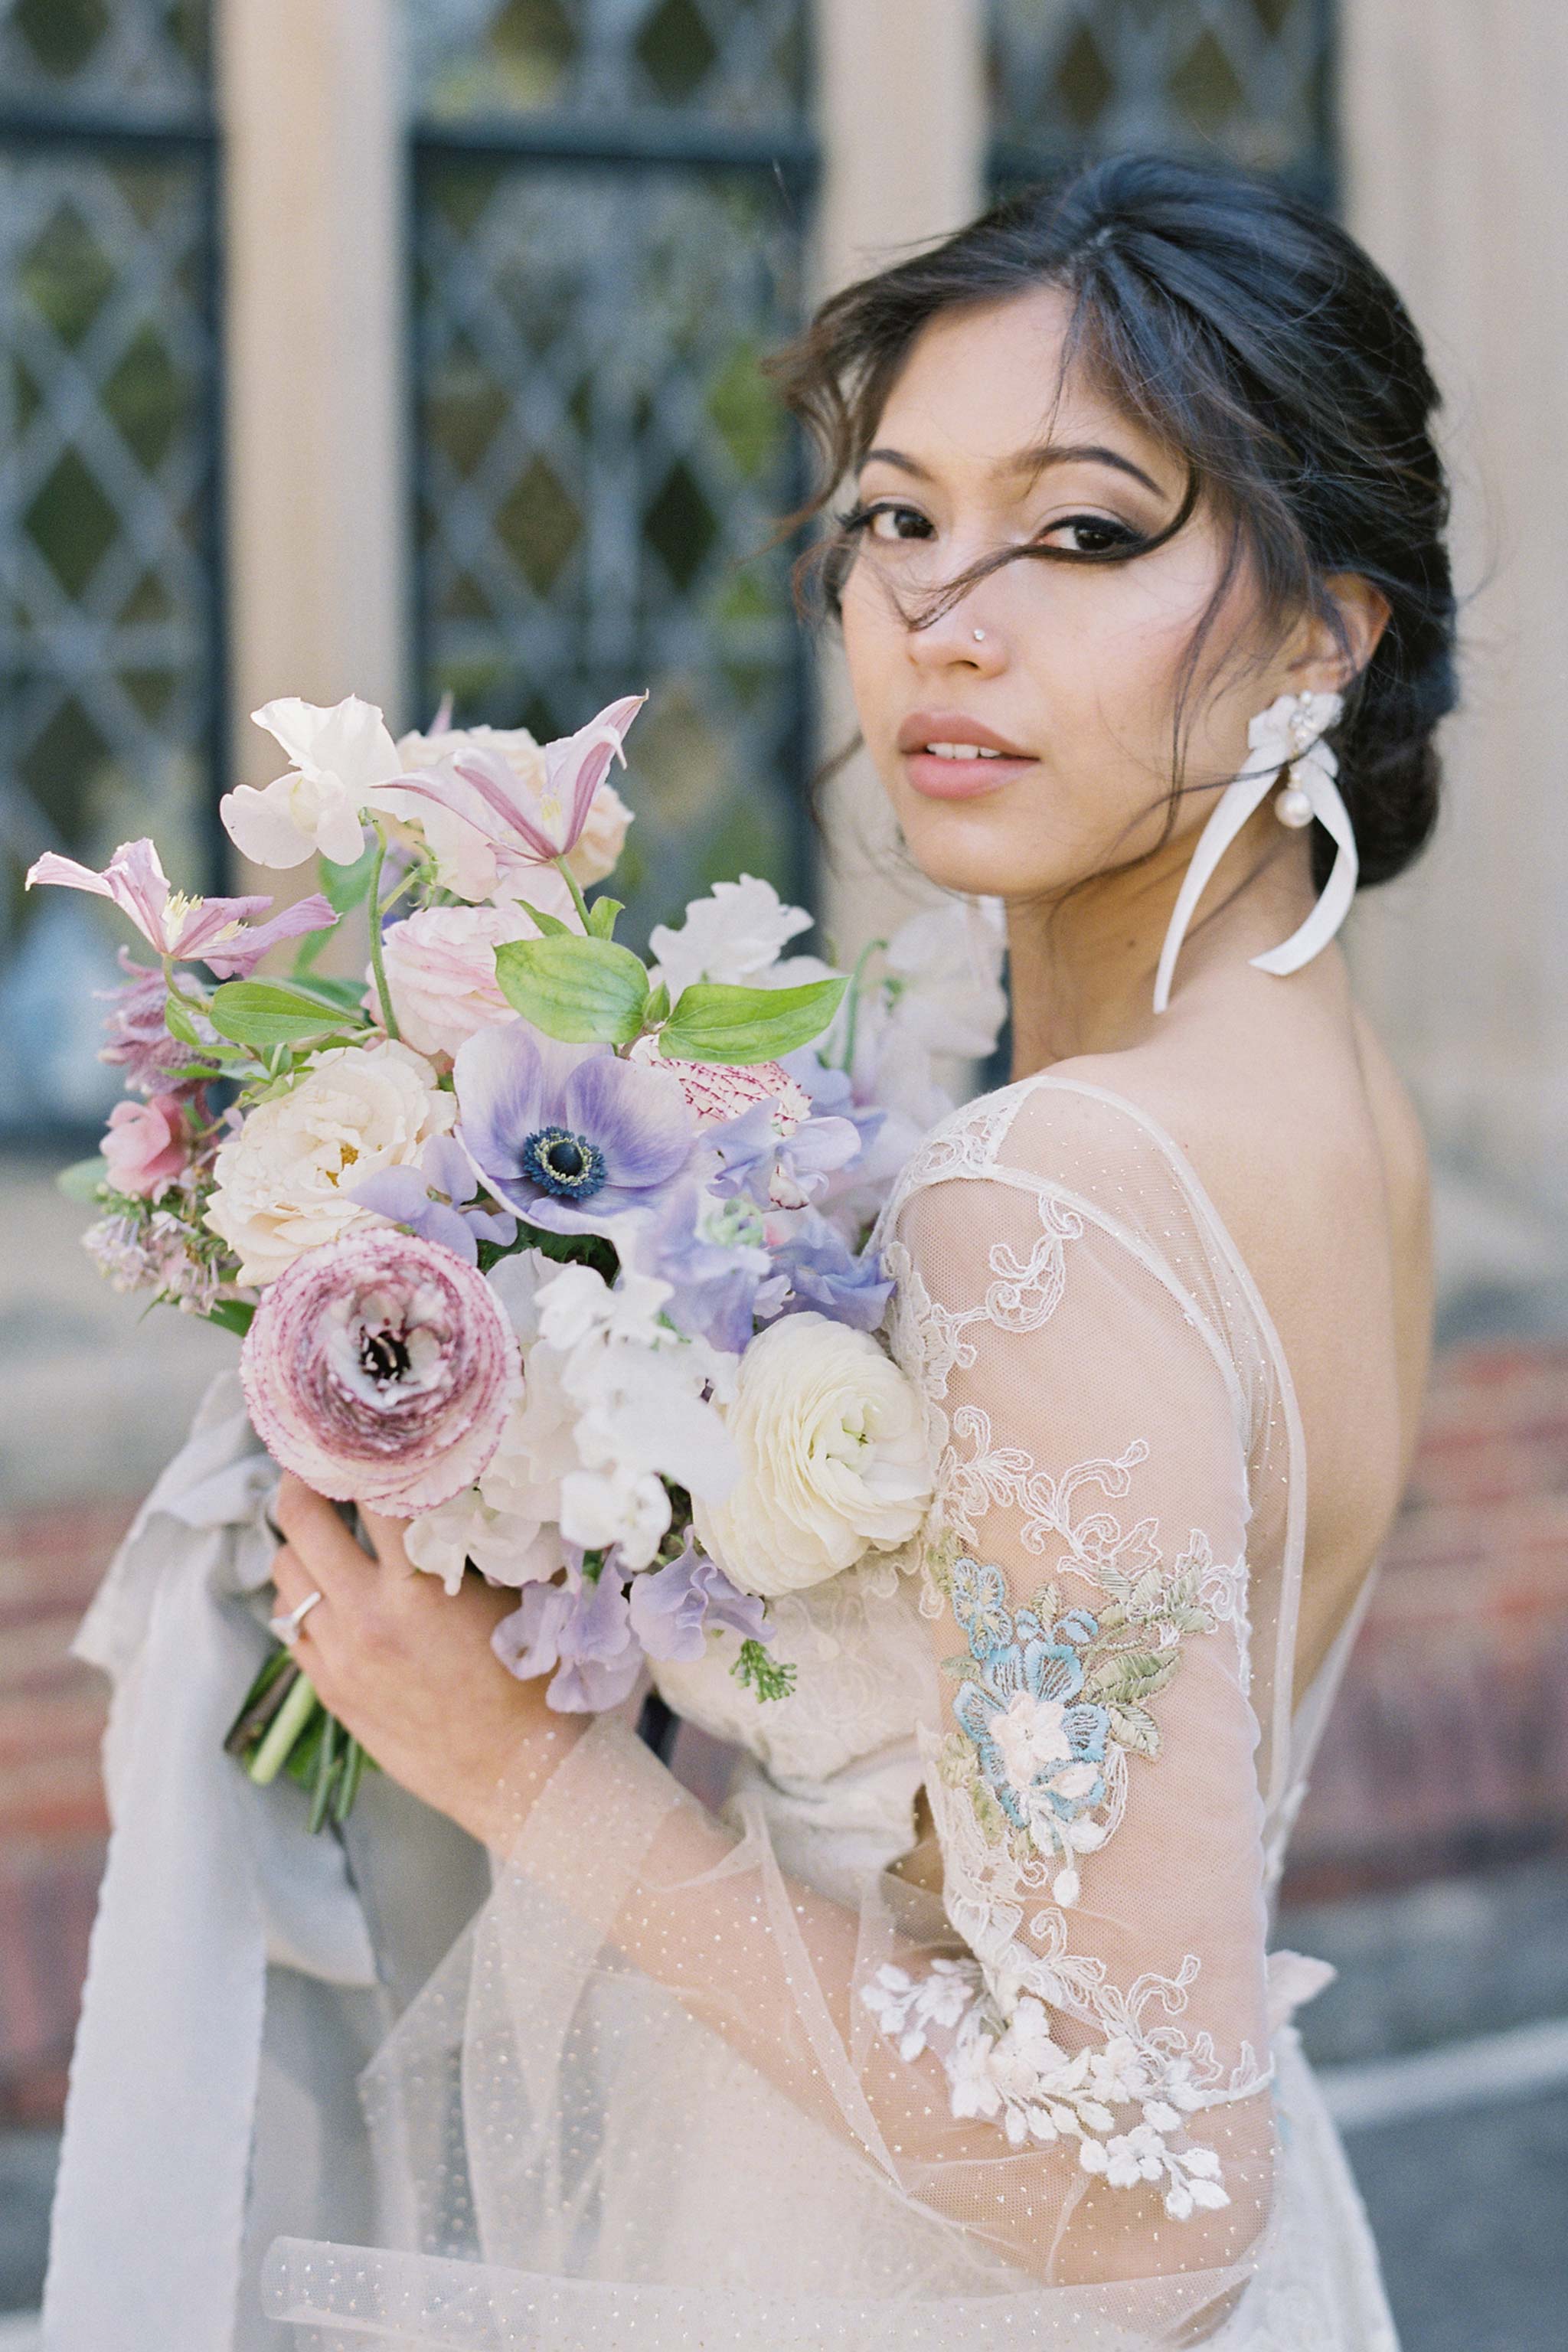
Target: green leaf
342 995
582 991
82 1179
1135 1730
177 1021
233 1315
345 886
602 917
551 927
714 1024
657 1009
262 1014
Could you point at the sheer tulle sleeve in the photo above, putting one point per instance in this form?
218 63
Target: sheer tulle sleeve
1034 2104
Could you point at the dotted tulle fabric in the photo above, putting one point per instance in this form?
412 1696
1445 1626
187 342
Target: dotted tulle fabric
958 2029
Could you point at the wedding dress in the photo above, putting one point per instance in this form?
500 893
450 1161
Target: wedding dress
691 2082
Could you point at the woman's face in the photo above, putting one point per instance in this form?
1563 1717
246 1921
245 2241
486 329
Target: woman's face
1056 679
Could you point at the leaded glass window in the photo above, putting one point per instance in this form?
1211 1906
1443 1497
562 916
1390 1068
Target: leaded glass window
610 201
1247 80
108 630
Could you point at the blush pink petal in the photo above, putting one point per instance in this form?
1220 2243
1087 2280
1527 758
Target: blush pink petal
428 1436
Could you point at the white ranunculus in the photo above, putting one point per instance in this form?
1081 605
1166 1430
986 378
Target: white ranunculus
340 756
284 1182
441 965
734 935
834 1461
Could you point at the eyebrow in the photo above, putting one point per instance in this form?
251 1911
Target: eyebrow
1032 461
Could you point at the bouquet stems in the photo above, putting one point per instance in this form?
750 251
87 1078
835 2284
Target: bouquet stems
282 1727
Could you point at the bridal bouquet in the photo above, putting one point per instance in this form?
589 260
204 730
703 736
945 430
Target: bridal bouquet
556 1254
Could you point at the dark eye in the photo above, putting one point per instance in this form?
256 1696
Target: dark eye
888 520
1093 535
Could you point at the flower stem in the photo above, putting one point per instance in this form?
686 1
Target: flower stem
857 981
570 881
376 965
287 1724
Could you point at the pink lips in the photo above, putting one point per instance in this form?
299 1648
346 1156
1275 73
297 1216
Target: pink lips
944 779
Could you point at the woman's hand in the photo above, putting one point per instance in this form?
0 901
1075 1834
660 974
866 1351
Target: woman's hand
409 1669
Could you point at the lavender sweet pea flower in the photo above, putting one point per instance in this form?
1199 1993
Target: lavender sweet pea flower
672 1608
825 1274
582 1630
713 1256
781 1171
220 933
381 1369
432 1199
569 1136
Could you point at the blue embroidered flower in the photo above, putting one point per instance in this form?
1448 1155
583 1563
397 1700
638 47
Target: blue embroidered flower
1040 1746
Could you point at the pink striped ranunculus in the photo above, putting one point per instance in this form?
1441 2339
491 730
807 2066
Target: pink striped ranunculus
379 1369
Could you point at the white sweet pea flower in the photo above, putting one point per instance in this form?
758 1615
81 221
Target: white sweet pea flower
506 1547
734 935
340 757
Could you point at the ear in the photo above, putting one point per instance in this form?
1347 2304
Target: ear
1332 650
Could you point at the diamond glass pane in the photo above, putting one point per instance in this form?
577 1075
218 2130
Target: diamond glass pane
602 462
107 621
124 56
1244 79
742 63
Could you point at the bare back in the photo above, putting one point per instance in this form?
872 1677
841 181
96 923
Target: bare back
1297 1124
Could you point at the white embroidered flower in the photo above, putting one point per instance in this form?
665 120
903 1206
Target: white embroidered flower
340 756
833 1457
441 965
1031 1733
733 936
284 1182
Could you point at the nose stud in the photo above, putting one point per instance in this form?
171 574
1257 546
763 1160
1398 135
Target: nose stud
979 636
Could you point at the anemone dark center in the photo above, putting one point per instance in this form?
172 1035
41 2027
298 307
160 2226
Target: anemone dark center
562 1163
383 1355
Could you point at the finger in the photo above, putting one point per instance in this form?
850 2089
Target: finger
328 1552
387 1534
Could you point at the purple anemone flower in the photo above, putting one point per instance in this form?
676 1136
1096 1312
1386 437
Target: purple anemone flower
580 1630
433 1201
672 1608
569 1136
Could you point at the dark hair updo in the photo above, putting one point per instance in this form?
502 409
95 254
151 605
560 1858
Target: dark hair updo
1249 334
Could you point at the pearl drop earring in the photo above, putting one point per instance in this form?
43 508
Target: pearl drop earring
1293 808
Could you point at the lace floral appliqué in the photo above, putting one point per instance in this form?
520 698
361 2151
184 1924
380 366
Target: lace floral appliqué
1013 2071
1050 1696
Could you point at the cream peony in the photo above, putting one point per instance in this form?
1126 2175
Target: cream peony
441 965
282 1184
834 1461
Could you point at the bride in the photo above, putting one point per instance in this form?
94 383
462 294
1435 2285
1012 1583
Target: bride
958 2028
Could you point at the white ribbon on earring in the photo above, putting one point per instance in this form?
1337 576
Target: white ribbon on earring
1274 738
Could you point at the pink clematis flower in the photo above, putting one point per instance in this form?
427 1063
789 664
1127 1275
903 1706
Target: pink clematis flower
526 823
220 933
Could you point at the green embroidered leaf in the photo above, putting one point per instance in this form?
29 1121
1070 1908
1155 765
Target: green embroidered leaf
961 1670
1135 1730
992 1821
582 991
744 1025
1148 1593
